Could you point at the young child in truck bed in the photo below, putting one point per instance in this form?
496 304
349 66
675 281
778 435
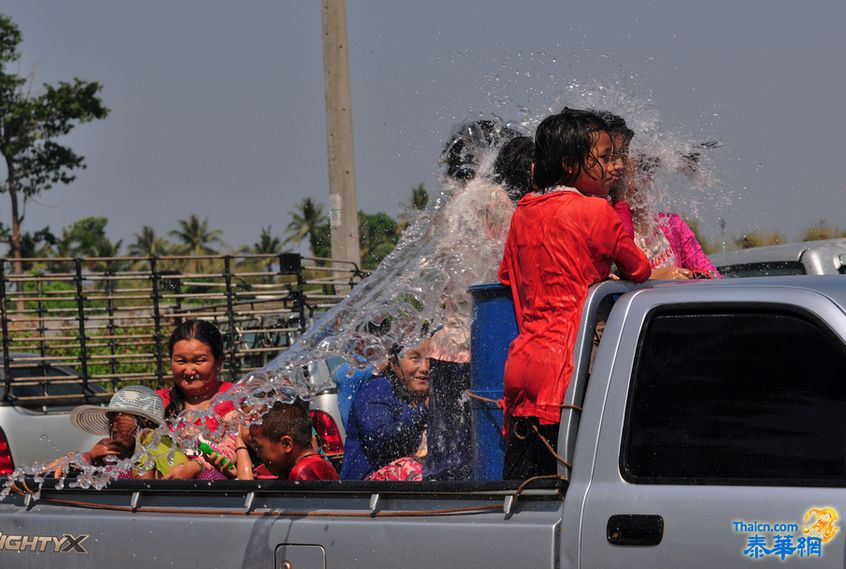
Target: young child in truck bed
562 239
128 422
283 443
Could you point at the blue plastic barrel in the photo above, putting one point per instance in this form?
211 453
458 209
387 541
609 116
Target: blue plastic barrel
494 327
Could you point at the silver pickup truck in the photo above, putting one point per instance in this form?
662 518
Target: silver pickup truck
708 434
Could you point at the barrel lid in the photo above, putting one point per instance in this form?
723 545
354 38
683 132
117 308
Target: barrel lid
488 290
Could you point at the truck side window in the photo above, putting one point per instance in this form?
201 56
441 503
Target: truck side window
737 396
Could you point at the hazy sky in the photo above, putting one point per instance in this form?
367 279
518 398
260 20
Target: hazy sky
218 109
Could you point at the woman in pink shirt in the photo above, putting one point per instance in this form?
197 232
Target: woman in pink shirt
196 358
673 249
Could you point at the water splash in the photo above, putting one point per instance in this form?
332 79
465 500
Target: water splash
422 285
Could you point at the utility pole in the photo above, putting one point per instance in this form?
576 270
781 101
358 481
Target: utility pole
343 209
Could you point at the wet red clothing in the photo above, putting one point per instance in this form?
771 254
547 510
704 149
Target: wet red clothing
312 467
220 410
558 245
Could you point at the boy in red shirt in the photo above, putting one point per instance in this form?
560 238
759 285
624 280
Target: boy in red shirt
282 442
562 239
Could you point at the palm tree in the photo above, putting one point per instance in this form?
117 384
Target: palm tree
106 248
307 220
268 244
196 238
147 244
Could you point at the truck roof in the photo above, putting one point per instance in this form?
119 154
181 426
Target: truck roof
827 256
831 286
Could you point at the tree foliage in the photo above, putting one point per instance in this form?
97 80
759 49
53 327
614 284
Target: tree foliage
31 126
417 202
760 239
309 220
268 244
822 230
419 197
378 235
147 244
195 237
87 238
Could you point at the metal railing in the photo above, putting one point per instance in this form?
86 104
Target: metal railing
88 322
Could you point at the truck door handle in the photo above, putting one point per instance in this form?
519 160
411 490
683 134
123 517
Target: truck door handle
635 529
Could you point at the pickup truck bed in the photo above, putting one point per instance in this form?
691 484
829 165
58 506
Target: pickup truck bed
316 524
711 435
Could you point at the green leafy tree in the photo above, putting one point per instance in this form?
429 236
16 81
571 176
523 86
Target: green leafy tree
417 202
419 197
38 244
86 237
31 126
322 243
760 239
308 221
822 230
378 235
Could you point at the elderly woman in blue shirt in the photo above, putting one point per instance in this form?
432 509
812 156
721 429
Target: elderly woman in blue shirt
386 434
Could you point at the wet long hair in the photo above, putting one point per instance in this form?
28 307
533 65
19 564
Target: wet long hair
513 167
200 330
562 147
616 125
463 151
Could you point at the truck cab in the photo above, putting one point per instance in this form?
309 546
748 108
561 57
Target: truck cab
717 441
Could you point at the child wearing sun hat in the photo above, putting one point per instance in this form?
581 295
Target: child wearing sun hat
129 421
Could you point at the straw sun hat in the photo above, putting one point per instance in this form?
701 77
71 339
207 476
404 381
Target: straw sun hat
135 400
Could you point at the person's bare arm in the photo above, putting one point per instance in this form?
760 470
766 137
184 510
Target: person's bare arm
185 471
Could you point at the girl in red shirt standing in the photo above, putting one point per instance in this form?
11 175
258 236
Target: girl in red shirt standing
562 239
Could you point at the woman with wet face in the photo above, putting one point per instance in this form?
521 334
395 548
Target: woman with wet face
196 358
673 250
386 437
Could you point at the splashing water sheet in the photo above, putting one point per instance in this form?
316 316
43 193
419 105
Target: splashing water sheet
422 285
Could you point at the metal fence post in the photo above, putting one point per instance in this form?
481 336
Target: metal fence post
110 308
232 335
7 394
80 310
292 264
42 328
157 318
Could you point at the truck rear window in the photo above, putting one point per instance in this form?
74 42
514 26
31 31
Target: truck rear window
756 396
